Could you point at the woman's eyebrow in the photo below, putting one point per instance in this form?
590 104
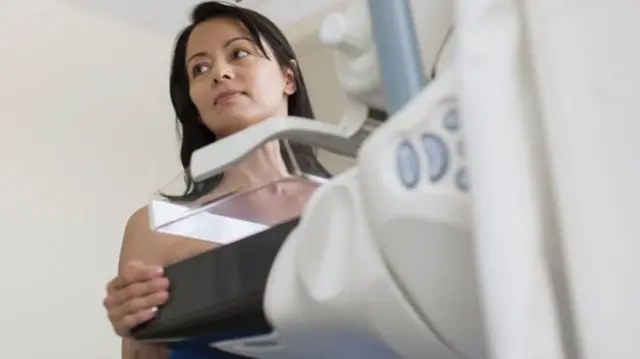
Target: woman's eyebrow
231 41
226 44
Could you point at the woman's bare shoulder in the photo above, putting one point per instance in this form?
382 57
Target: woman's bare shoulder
139 242
138 223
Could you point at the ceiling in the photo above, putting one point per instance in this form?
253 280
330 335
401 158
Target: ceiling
166 17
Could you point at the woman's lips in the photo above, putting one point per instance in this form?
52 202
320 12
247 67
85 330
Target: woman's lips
227 96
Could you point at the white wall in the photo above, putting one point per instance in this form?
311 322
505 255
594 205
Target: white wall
327 97
86 133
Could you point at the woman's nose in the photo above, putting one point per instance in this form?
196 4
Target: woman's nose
222 72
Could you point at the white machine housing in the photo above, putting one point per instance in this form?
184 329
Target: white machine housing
355 58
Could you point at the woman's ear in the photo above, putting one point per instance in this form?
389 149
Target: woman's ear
290 83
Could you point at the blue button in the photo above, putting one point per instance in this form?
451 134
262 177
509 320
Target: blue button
437 155
408 164
451 120
462 179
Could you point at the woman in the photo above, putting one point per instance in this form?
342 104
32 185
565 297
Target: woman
232 68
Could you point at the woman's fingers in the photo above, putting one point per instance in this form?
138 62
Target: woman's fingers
136 310
134 272
136 304
134 296
132 320
139 304
136 290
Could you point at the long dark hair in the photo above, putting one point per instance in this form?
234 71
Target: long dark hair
193 133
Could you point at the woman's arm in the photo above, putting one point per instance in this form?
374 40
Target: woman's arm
135 350
142 244
139 244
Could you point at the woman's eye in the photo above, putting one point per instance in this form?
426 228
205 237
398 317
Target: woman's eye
238 54
199 69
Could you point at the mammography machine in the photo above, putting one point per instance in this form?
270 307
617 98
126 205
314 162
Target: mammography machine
494 215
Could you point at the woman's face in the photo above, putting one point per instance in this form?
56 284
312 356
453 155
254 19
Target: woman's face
233 84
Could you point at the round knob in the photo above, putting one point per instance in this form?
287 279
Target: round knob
334 31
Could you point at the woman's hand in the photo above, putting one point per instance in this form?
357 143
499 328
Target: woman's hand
133 296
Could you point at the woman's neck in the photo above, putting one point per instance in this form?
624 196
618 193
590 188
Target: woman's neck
265 164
